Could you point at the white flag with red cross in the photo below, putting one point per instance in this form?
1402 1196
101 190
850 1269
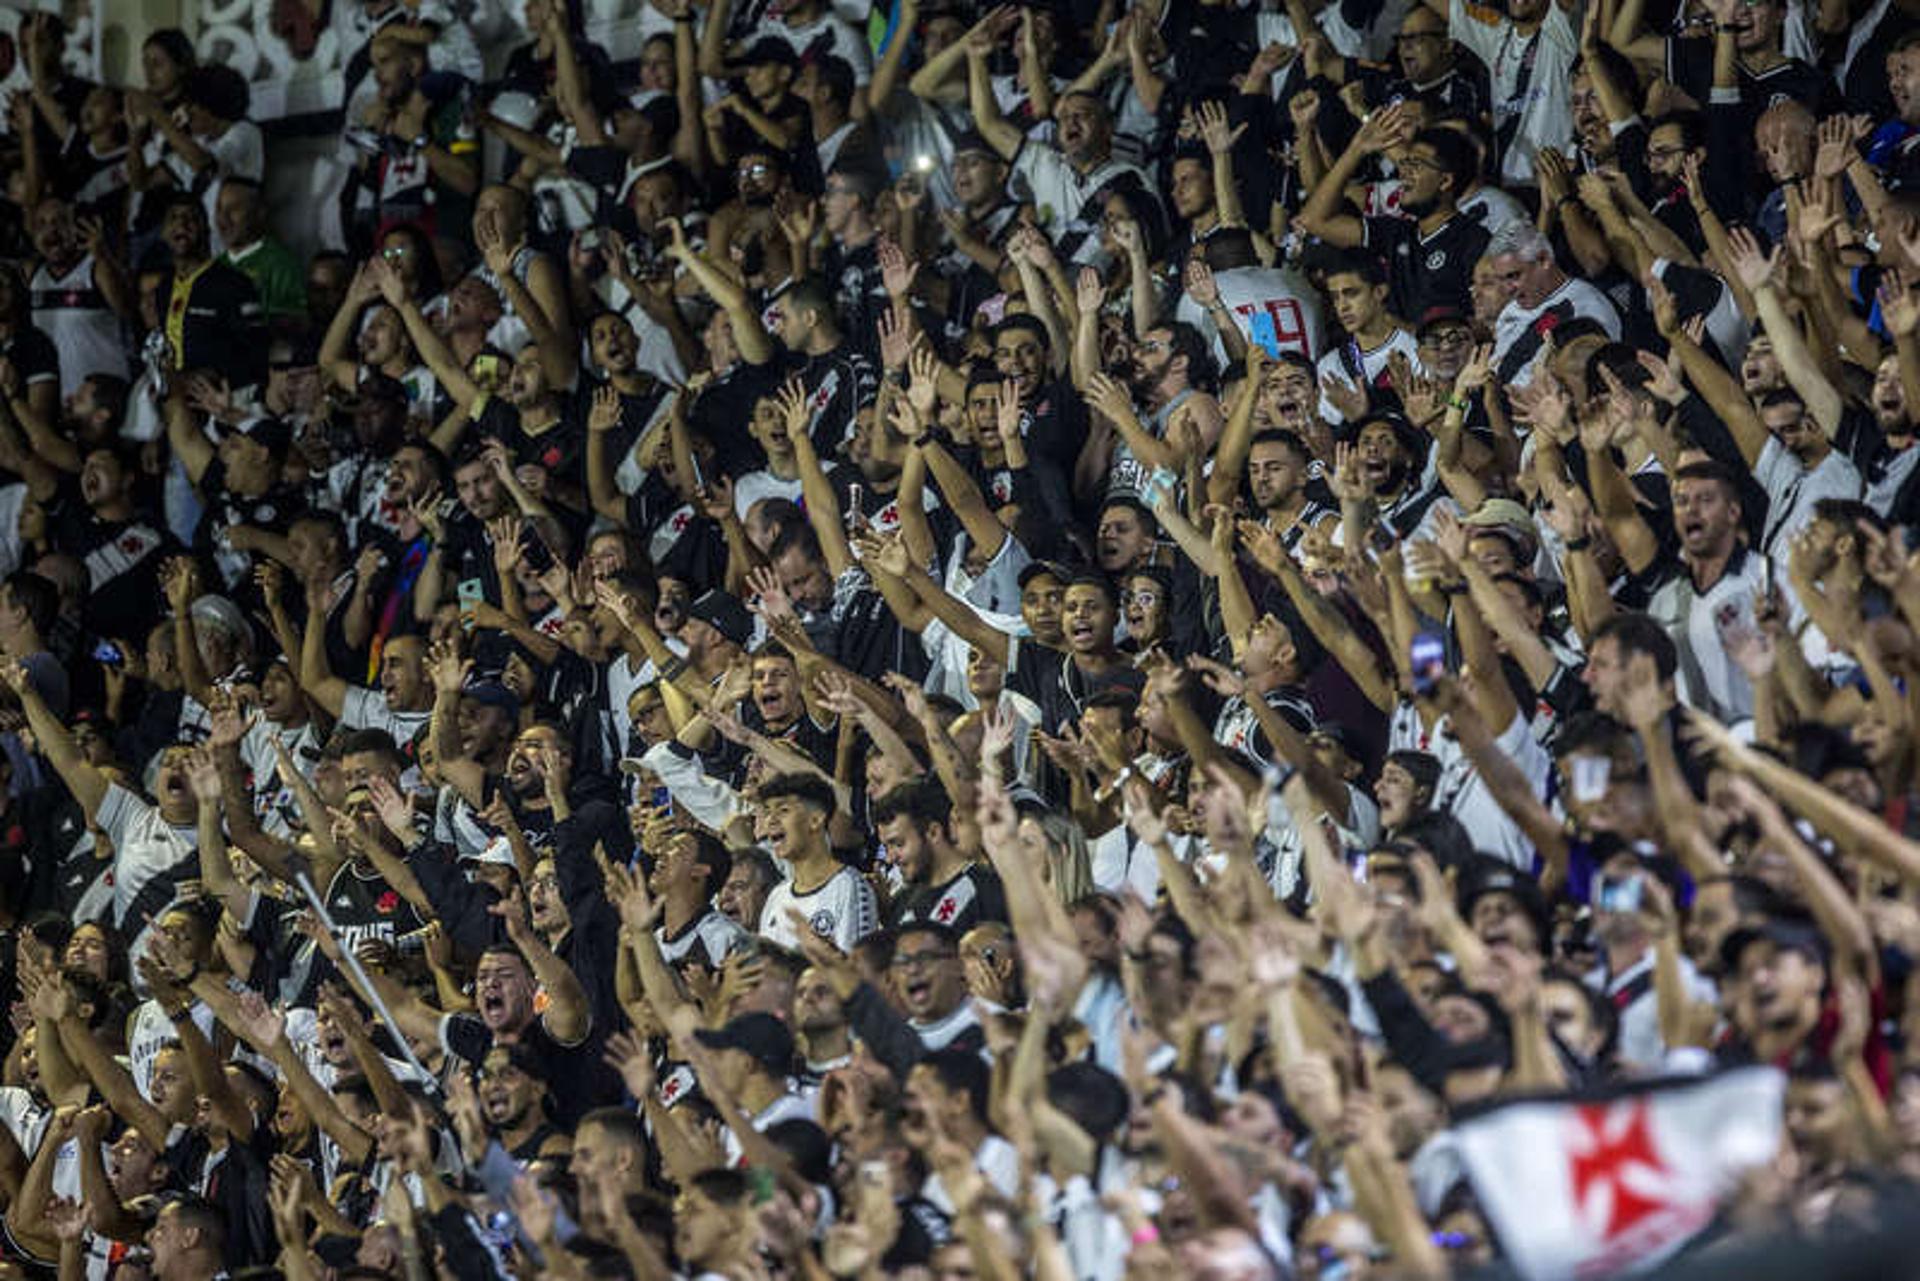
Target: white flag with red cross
1592 1186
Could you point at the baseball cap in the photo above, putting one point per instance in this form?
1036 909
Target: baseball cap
272 434
1033 569
762 1036
973 140
1443 314
1786 935
1487 875
490 693
770 49
1506 516
724 613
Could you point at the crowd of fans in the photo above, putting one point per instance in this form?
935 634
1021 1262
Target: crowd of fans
898 640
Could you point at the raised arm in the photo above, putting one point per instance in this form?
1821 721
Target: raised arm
992 124
1321 215
1758 272
83 779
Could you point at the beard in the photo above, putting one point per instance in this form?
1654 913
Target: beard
1419 208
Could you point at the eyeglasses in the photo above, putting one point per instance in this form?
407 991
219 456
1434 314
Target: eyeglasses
758 169
395 253
1665 153
1153 344
1414 162
915 960
1447 338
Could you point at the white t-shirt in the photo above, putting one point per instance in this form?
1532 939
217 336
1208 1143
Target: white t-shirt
150 855
1278 293
1338 362
273 801
364 708
1461 791
1708 679
847 43
1515 321
1529 78
148 1029
1793 489
756 485
842 911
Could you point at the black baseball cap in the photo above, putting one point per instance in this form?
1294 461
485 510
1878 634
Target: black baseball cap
762 1036
724 613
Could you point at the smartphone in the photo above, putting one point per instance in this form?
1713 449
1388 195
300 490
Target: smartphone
538 555
856 518
1427 656
110 653
1265 335
662 800
469 593
1620 894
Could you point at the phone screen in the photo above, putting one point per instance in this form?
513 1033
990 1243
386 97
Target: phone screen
1427 656
1265 336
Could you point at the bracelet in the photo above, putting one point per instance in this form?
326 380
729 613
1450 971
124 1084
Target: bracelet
1579 544
1725 28
1453 589
183 1013
1146 1234
1461 403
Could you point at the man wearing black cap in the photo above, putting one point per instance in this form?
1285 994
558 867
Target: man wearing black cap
753 1065
762 112
716 633
249 507
1782 967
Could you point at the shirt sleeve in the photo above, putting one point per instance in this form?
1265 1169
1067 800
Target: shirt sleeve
357 709
119 810
1478 29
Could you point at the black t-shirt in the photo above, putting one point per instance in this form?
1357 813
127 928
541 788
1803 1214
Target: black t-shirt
576 1079
1427 271
839 383
723 409
32 355
1061 688
859 293
63 869
972 896
868 640
467 556
234 1179
123 560
274 511
223 328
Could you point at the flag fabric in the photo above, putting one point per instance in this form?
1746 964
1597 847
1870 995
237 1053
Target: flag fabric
1594 1185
